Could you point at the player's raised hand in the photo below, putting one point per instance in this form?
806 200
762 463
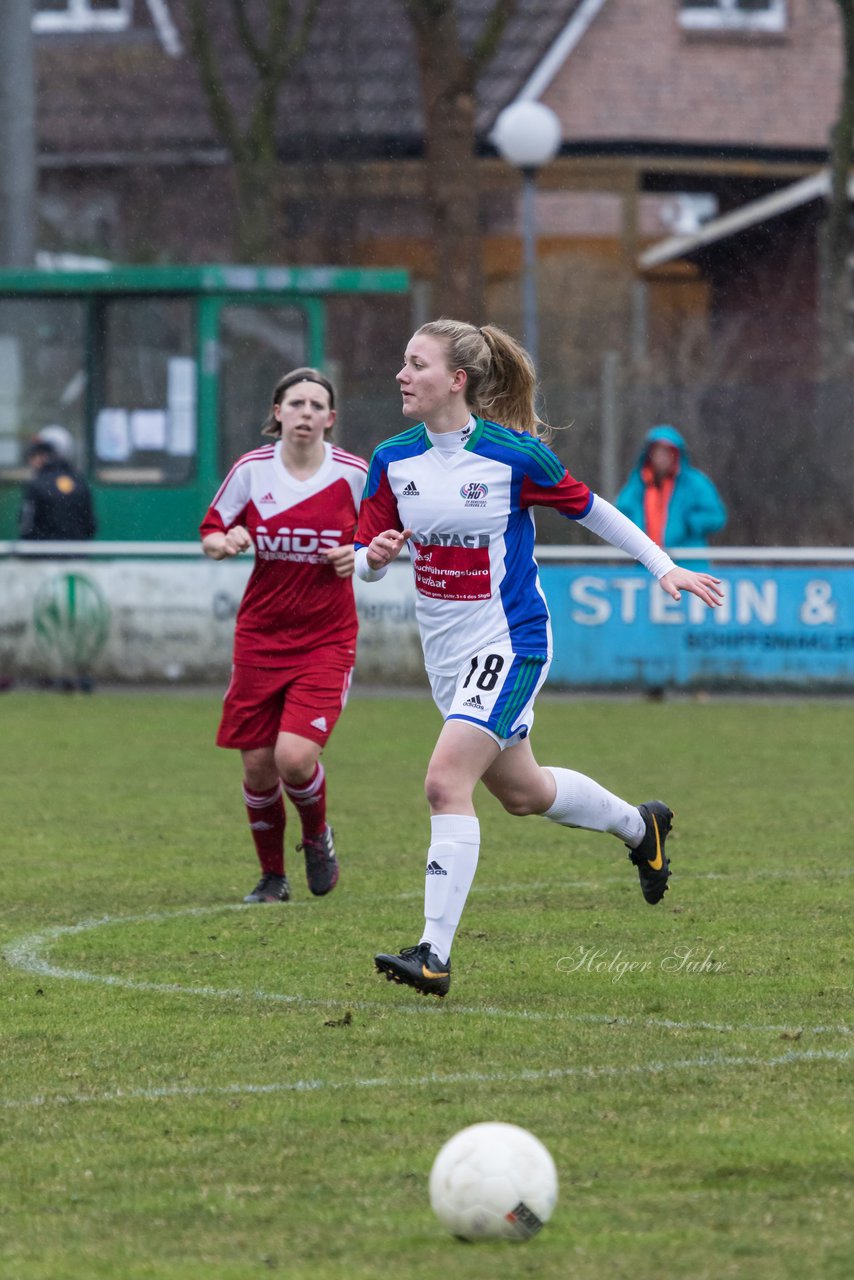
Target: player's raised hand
386 547
703 585
342 559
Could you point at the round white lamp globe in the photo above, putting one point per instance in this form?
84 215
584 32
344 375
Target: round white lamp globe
527 134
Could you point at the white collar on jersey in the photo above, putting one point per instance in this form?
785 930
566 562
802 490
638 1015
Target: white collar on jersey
451 441
307 481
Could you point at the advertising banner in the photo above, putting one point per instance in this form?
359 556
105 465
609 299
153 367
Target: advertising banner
778 626
150 619
159 617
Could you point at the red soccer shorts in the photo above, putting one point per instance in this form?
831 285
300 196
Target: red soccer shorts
305 698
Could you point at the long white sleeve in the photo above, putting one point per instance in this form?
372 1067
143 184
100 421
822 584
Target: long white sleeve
612 526
364 571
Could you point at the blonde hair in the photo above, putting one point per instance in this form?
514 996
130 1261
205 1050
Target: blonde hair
502 380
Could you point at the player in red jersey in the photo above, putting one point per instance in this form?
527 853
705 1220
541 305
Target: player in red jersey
295 501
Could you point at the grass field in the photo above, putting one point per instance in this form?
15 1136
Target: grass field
193 1088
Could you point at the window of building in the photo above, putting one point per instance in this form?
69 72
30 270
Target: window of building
42 376
256 345
82 15
118 373
733 15
143 390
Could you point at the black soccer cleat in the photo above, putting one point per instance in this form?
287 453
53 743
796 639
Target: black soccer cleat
270 888
321 865
417 967
649 857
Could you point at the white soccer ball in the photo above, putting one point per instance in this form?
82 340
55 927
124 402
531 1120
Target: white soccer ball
493 1181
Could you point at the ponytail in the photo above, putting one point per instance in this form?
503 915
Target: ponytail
502 381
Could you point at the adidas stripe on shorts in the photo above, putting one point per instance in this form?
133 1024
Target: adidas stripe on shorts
495 691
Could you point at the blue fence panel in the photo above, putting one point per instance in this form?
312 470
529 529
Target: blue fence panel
779 626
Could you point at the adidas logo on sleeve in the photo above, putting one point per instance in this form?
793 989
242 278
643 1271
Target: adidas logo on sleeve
433 869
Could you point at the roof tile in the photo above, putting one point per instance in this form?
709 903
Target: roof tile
357 85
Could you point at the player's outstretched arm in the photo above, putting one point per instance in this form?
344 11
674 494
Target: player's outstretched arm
703 585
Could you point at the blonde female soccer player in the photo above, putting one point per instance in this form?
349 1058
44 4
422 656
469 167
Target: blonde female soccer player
459 489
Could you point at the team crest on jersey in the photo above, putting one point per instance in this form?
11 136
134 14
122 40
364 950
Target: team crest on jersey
474 493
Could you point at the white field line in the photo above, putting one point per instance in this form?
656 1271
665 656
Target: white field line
705 1062
27 955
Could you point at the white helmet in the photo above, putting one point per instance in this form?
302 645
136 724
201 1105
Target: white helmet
60 440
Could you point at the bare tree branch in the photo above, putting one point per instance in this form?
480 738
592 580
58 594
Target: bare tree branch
424 12
201 43
488 40
448 77
272 48
836 238
247 37
296 47
842 136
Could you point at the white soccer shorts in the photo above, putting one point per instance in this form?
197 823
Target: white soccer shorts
495 691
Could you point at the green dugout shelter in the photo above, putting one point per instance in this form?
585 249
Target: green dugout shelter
163 375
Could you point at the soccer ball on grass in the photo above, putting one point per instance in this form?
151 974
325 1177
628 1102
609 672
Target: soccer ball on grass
493 1181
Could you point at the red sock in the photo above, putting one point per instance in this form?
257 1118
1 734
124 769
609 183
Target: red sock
310 802
266 813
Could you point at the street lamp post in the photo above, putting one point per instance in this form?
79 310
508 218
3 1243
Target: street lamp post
530 317
527 135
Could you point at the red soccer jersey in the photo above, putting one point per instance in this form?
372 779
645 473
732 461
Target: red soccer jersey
294 601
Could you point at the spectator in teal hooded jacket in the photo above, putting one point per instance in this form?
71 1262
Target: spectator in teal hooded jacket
675 504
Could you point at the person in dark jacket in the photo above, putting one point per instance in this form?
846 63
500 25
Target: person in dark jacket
57 502
57 507
675 503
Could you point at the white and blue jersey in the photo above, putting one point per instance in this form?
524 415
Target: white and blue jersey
473 534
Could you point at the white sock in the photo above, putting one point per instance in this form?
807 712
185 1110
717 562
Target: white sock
451 864
581 802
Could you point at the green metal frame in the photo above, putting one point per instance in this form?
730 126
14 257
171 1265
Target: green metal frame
218 279
167 512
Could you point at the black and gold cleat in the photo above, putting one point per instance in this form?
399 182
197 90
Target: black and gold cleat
417 967
649 857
